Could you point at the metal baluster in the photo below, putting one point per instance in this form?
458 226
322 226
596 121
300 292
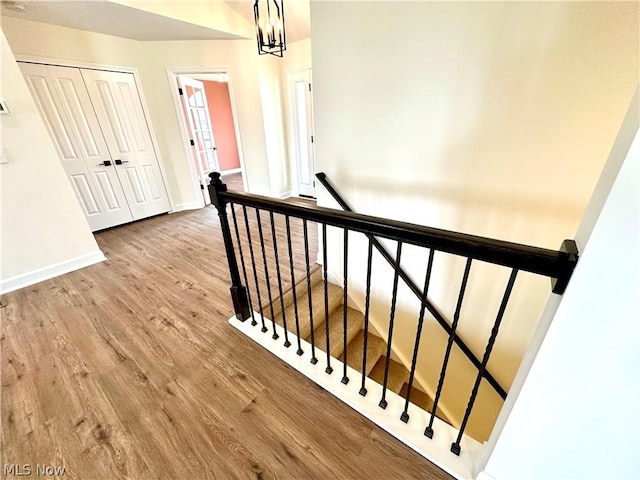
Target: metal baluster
293 285
287 343
244 268
455 446
363 389
253 264
345 312
314 360
383 401
414 360
456 316
329 369
275 335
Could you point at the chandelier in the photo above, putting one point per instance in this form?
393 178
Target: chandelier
269 18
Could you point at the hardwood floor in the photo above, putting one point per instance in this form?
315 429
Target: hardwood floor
129 370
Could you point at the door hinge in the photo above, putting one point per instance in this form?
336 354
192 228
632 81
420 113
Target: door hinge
180 91
309 87
311 138
193 144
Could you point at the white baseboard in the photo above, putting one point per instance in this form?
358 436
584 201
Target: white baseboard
284 195
179 207
484 476
45 273
411 433
231 171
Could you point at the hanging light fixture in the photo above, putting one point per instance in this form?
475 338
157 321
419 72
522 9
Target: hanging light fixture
269 18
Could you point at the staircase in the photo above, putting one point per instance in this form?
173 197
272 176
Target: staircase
398 375
310 319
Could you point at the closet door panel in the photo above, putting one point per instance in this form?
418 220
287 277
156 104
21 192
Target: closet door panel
119 109
65 106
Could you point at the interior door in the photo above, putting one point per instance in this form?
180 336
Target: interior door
303 126
117 104
203 145
64 104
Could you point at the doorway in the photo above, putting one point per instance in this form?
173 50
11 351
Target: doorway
210 128
302 116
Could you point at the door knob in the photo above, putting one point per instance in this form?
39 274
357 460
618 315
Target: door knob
106 163
120 162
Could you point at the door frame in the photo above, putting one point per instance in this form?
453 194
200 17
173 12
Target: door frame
112 68
292 126
172 76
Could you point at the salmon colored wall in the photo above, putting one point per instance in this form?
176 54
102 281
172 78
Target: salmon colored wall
222 124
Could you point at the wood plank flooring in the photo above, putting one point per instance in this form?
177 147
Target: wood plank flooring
129 370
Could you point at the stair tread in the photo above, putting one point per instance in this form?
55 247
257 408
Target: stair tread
398 374
418 397
376 347
335 296
355 319
287 297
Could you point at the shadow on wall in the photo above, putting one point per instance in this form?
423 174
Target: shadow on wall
483 295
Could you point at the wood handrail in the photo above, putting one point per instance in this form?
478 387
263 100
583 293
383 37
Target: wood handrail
555 264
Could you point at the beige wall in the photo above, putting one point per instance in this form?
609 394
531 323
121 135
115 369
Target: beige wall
487 118
43 232
600 302
248 72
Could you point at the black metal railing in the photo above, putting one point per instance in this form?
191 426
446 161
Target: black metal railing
558 265
424 300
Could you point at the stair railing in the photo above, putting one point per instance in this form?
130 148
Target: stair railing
557 265
439 317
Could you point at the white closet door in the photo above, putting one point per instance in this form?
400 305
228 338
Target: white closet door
118 106
62 98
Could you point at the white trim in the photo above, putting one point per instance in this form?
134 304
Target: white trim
484 476
46 273
188 206
230 171
284 195
436 450
112 68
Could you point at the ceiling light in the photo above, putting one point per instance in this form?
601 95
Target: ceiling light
269 18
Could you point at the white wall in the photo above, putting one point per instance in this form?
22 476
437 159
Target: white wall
248 72
488 118
43 232
577 416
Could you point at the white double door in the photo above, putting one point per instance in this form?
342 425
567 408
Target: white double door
97 123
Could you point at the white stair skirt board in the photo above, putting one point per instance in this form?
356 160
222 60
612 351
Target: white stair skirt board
46 273
436 450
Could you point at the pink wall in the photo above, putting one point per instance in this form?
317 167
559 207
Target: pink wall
222 123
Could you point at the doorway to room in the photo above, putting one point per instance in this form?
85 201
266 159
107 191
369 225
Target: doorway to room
210 128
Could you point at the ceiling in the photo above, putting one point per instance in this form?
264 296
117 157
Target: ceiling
123 21
296 16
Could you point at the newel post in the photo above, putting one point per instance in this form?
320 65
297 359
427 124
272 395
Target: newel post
238 291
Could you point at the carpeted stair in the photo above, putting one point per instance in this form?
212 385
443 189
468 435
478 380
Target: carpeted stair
398 375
